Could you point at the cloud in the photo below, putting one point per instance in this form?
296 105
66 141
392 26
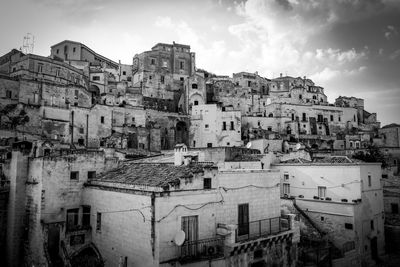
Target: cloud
395 55
390 32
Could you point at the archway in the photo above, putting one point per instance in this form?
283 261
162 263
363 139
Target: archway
87 257
95 91
181 133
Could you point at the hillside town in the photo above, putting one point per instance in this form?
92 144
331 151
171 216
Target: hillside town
162 163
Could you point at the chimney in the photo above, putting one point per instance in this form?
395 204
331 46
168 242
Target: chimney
281 74
180 150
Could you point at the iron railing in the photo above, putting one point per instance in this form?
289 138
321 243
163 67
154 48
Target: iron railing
261 228
202 249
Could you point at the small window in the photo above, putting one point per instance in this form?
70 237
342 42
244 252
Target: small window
76 93
57 72
91 175
286 189
8 94
196 102
182 65
152 61
348 226
194 86
209 144
81 130
162 79
372 225
286 176
124 73
74 49
96 78
369 180
339 119
248 83
74 175
395 208
207 183
102 119
98 222
384 176
321 191
322 219
224 126
58 51
40 68
232 126
206 126
85 215
331 117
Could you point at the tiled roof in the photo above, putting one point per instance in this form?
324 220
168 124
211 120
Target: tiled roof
296 160
150 174
391 125
247 157
333 160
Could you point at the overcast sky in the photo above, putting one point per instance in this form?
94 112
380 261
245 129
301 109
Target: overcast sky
350 47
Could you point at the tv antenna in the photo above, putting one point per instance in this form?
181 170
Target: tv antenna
28 43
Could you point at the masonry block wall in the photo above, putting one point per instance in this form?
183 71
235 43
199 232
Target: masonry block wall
122 234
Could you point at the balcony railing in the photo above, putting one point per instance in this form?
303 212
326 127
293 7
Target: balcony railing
202 249
261 228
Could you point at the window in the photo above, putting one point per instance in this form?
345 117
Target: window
320 118
369 180
74 175
248 83
339 119
76 93
129 79
124 73
40 68
348 226
182 65
321 191
224 126
286 189
331 117
81 130
372 225
269 128
322 219
194 86
190 226
304 117
395 208
57 72
206 126
232 126
286 176
292 116
96 78
152 61
162 79
102 119
196 102
72 218
85 215
384 176
8 94
300 97
243 219
209 144
207 183
91 175
181 79
58 51
98 222
351 143
74 49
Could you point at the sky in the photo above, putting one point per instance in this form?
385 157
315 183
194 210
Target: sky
350 47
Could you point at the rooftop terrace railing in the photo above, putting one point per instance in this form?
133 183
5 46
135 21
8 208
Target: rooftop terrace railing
261 228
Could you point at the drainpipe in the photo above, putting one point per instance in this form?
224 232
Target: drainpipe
72 128
153 222
87 130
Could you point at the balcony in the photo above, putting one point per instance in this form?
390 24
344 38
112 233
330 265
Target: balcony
204 249
261 228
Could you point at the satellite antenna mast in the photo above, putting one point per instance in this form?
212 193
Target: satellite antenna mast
28 43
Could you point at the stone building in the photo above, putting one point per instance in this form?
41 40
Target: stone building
344 198
213 125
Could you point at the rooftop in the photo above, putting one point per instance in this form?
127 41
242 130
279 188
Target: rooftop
150 174
392 125
331 160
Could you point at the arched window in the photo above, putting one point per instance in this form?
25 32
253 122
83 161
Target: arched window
314 97
270 115
196 102
300 97
194 85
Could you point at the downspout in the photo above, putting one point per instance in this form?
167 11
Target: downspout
87 130
153 222
72 128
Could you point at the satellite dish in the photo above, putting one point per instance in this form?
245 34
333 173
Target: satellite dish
248 145
179 238
298 146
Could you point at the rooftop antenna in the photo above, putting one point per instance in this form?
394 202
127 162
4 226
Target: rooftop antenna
28 43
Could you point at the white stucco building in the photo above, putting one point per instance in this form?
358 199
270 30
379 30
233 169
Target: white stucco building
342 196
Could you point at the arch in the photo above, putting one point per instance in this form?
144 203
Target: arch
270 115
181 133
194 85
88 255
95 93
